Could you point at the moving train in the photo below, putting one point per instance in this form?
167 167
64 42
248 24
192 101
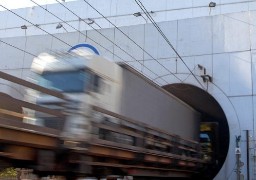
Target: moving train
113 105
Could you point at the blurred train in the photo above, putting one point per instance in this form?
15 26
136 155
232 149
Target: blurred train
115 103
209 141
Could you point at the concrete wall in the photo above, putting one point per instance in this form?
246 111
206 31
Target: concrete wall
119 12
222 39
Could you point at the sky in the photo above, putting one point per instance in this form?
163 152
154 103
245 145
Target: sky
15 4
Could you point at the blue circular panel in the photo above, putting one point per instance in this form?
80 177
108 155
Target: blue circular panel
86 46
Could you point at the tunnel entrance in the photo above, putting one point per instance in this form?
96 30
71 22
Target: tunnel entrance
214 133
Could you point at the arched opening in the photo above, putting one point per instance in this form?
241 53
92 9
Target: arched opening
214 134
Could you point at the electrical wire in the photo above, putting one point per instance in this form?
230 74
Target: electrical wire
130 39
89 37
11 45
75 29
17 48
95 29
52 34
86 23
35 25
102 34
106 37
142 7
164 75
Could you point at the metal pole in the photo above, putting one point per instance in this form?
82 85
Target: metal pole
247 154
238 166
238 158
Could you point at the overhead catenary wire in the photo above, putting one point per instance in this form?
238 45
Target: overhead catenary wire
41 28
131 39
52 35
107 38
69 44
75 28
87 36
22 50
35 25
66 42
11 45
95 29
142 7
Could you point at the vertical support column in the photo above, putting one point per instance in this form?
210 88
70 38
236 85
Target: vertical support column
238 172
248 154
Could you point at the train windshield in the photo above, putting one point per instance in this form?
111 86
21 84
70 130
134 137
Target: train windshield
66 81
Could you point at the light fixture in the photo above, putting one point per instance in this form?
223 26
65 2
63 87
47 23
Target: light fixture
202 68
59 26
206 78
137 14
90 21
212 4
23 27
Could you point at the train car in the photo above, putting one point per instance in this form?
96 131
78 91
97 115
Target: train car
145 101
115 105
90 80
